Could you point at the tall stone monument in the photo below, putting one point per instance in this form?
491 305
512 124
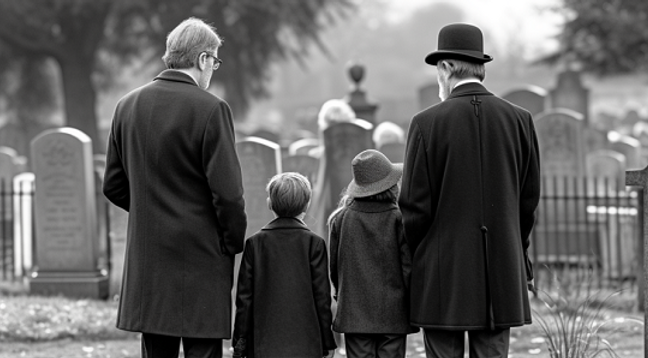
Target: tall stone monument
357 98
68 252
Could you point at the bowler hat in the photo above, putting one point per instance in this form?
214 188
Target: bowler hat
373 173
459 41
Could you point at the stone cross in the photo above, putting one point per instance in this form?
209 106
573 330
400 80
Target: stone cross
639 178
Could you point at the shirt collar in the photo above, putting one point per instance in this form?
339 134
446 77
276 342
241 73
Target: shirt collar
467 80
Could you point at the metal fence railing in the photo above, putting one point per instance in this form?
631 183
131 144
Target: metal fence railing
589 227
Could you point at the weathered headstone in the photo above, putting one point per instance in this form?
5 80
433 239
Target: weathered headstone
569 93
560 137
266 134
8 169
23 188
303 146
595 139
302 164
606 164
629 147
68 250
639 178
260 160
117 238
342 142
531 98
428 95
8 166
616 239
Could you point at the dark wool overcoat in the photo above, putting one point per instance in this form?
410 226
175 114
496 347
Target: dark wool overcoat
172 165
370 269
470 189
283 300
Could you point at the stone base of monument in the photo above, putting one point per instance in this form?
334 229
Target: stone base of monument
69 284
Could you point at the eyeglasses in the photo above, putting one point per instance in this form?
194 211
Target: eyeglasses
217 61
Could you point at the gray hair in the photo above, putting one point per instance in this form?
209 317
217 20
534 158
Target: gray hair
463 69
185 43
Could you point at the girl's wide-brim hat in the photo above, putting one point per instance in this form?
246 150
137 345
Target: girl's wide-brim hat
373 173
459 41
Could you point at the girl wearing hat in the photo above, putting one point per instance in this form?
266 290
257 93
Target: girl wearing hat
370 261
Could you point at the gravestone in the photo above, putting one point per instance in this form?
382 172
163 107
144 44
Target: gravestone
8 169
428 95
629 147
303 146
117 237
606 164
595 139
260 160
562 151
531 98
606 172
303 164
266 134
23 187
569 93
8 166
342 142
395 152
560 137
68 251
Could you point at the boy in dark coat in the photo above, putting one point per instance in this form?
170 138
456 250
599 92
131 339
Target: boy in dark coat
283 303
370 261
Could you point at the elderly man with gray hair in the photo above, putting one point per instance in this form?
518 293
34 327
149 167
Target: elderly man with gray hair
471 185
172 164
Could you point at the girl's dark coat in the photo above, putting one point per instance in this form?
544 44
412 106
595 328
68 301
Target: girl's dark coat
471 185
370 269
172 165
283 300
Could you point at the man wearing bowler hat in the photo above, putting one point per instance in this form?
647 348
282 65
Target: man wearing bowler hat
471 185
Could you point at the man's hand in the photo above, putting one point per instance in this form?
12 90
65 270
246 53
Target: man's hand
531 286
330 354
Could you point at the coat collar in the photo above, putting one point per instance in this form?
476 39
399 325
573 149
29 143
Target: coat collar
176 76
469 89
285 223
372 206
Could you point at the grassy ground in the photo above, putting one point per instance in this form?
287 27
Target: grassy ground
59 327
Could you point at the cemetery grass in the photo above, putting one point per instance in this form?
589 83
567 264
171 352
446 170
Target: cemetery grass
32 326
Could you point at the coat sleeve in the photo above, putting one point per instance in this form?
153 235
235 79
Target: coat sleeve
322 292
116 186
405 255
223 171
415 199
244 295
530 195
334 242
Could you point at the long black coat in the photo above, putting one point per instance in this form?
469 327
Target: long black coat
470 188
283 301
172 165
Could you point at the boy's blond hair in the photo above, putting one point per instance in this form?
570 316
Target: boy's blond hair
289 194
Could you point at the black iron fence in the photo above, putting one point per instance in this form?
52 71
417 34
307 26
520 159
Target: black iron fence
587 229
16 229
